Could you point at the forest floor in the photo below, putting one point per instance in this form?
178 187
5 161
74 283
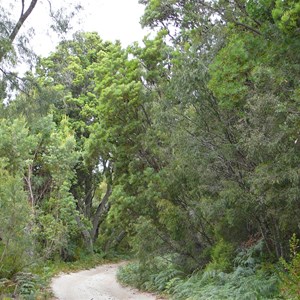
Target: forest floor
99 283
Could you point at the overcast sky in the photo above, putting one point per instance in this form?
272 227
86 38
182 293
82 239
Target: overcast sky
112 19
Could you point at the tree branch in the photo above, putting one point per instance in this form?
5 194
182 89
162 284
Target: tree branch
247 27
9 76
23 7
13 34
22 19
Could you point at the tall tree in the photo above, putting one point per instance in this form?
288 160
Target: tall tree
209 105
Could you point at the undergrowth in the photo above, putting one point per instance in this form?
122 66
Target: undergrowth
289 272
249 280
242 284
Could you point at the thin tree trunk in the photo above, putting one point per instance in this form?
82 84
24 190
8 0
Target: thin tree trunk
119 238
29 185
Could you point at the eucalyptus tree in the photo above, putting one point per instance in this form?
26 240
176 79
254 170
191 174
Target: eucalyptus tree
16 35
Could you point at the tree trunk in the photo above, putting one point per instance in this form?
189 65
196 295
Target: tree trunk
101 209
86 235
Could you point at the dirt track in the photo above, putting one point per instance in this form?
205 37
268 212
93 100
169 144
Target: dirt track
96 284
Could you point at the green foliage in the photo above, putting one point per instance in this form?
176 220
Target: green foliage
33 282
131 275
15 36
222 256
246 281
16 144
241 284
85 76
15 218
260 9
286 15
146 240
57 223
184 150
290 275
27 285
159 276
230 71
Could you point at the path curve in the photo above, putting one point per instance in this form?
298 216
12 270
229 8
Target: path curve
96 284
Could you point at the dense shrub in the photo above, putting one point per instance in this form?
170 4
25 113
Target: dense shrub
290 272
248 280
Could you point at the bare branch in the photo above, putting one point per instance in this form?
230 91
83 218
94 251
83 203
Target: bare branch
23 7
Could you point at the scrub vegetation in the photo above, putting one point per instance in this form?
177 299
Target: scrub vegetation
182 153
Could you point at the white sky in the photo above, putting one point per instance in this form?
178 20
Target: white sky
112 19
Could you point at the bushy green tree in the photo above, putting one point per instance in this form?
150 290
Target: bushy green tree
230 108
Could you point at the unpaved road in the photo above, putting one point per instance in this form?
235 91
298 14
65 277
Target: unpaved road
96 284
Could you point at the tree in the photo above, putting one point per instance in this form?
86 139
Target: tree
11 30
223 101
15 43
73 70
16 206
42 155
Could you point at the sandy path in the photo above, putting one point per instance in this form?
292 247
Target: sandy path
96 284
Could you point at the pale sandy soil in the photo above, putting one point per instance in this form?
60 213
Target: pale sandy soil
96 284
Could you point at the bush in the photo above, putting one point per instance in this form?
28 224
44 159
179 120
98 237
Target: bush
247 280
222 256
159 277
290 272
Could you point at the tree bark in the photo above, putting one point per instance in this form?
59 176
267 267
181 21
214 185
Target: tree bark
86 235
101 209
